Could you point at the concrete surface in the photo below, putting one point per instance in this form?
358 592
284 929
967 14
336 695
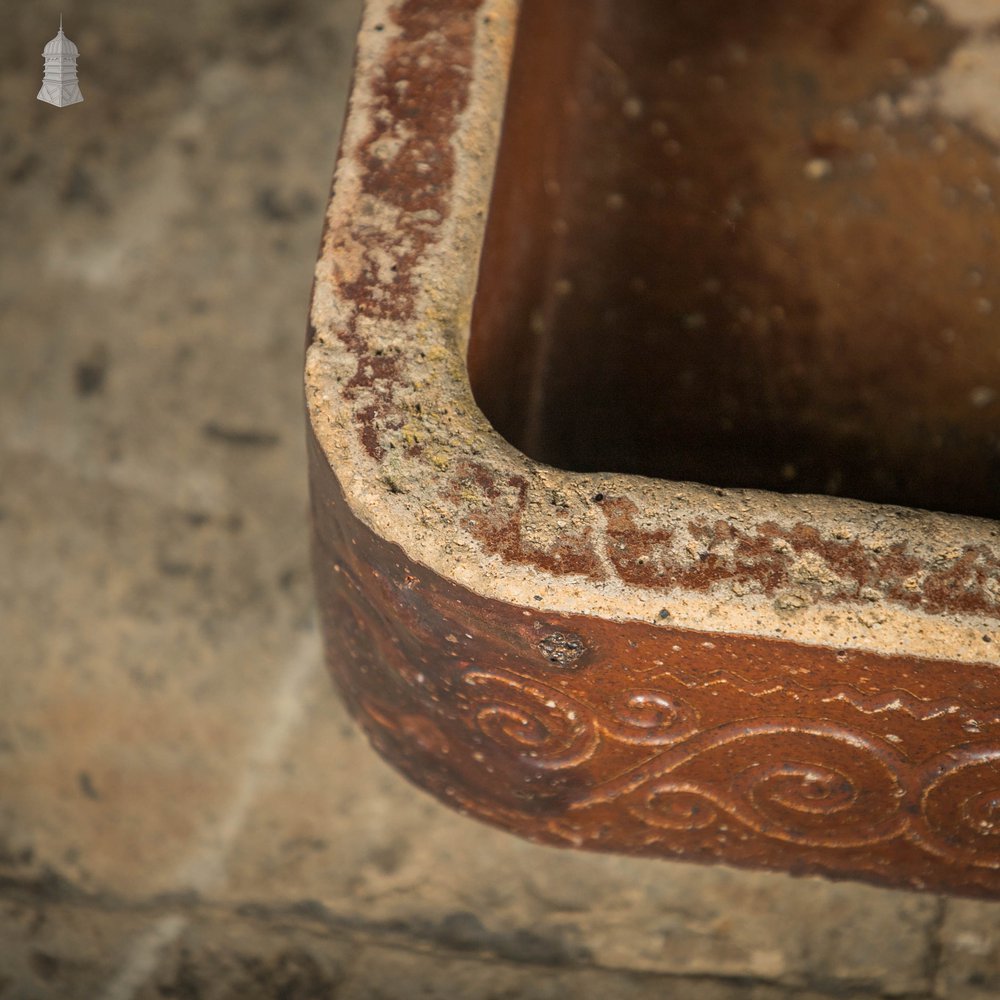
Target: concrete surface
185 810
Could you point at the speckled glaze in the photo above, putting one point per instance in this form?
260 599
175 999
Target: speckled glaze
607 661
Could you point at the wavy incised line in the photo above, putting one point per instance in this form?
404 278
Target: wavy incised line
923 710
722 676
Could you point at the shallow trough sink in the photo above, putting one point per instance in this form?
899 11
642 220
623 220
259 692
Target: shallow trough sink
655 431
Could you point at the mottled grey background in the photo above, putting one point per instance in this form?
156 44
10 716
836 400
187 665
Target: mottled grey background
185 810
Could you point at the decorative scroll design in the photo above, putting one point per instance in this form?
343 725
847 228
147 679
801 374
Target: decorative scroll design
541 725
814 785
552 731
650 718
789 780
959 808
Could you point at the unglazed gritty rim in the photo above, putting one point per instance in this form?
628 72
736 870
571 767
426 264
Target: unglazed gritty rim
390 404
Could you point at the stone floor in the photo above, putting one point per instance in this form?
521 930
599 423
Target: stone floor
185 810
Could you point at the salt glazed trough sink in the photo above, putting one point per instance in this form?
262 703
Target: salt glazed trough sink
653 420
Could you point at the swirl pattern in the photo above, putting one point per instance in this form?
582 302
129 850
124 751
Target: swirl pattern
542 726
959 808
776 779
650 718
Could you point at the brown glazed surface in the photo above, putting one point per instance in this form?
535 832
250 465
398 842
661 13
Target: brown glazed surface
596 660
659 741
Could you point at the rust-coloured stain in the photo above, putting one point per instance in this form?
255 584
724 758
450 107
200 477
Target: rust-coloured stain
593 660
418 84
498 527
642 557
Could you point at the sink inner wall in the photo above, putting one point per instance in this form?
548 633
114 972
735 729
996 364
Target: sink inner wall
737 243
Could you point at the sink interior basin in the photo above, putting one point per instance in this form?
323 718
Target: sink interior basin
747 244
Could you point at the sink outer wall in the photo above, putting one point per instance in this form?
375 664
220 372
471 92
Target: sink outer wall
609 662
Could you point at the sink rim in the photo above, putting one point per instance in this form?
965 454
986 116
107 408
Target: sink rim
442 484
